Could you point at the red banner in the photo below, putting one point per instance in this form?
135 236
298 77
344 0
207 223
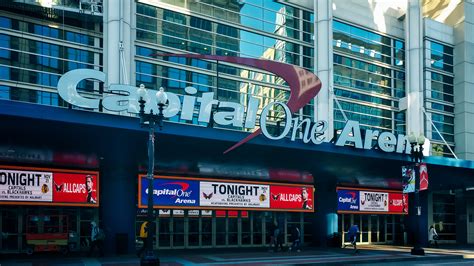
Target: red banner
291 197
75 188
423 176
398 202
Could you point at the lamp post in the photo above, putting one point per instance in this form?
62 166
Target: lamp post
150 257
416 156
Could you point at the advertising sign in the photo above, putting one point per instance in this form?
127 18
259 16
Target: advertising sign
170 192
291 197
25 186
348 200
398 202
373 201
33 186
71 187
359 200
408 179
219 194
423 176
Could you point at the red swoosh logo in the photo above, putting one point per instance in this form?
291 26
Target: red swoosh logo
304 85
184 186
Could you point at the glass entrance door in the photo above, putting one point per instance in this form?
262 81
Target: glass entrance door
371 227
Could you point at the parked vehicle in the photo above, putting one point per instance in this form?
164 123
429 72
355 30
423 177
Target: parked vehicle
47 233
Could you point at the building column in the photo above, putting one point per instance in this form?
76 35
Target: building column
325 220
118 52
414 53
323 62
118 197
461 216
464 84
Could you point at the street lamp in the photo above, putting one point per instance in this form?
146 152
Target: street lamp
150 258
416 157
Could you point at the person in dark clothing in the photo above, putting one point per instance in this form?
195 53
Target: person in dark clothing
97 240
352 233
295 239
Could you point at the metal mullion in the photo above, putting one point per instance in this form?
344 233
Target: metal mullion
363 70
368 93
49 40
221 35
211 72
369 30
383 86
365 60
51 57
223 22
41 23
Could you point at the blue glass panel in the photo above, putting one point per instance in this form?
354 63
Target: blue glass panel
5 23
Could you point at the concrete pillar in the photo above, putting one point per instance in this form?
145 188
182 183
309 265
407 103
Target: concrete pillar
118 197
461 216
414 52
118 37
323 63
325 220
464 84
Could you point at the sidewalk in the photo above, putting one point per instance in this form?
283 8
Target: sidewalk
256 256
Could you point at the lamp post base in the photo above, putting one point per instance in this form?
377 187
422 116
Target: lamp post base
418 251
149 259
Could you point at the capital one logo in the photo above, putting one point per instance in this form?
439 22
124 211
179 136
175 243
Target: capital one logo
350 200
303 84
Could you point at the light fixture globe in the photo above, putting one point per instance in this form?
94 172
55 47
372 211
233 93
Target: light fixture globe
161 96
141 92
421 139
412 138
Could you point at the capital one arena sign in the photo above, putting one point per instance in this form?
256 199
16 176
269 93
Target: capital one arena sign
303 84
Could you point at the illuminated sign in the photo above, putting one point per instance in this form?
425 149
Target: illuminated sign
223 194
304 86
32 186
171 192
359 200
214 194
292 197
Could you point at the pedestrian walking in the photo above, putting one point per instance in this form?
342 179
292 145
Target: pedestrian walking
97 239
295 239
352 234
143 237
432 236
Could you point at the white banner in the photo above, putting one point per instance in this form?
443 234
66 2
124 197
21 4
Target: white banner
26 186
373 201
216 194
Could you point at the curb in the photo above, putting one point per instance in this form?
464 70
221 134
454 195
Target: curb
395 259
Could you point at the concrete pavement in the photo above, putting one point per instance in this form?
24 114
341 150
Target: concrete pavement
257 256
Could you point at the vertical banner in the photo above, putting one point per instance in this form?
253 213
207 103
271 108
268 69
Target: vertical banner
423 176
408 179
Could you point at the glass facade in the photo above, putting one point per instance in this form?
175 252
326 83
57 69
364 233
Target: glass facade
444 215
256 29
369 78
439 96
35 50
180 229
